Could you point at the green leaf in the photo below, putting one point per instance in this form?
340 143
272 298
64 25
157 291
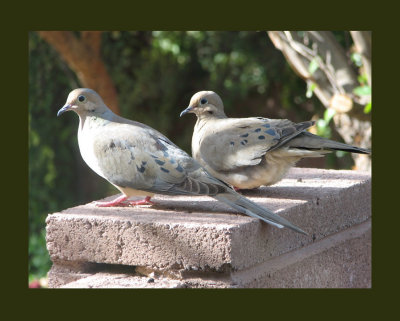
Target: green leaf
328 114
356 58
323 128
367 108
362 79
340 153
310 89
362 90
313 66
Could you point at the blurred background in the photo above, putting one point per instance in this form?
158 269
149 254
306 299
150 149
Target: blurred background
150 76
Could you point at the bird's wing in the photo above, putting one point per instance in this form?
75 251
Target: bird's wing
231 143
143 159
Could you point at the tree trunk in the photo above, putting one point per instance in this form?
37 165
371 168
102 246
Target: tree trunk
83 56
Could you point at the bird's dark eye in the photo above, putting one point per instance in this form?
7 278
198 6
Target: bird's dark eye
203 101
81 98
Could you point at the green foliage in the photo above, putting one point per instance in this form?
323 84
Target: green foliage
52 147
356 58
323 128
42 170
310 89
362 90
362 79
157 72
39 261
314 65
367 108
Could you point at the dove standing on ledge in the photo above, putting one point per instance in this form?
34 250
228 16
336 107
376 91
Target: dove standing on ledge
140 161
255 151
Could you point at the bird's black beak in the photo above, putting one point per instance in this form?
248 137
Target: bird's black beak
64 109
187 110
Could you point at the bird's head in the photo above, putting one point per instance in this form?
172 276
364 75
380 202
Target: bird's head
83 101
205 104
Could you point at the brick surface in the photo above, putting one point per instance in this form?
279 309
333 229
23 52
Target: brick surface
201 235
107 280
342 260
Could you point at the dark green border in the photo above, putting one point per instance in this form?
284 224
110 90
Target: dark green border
190 304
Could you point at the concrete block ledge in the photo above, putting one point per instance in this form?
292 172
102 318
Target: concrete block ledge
183 241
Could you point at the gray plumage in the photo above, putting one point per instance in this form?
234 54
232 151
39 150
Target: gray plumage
255 151
138 160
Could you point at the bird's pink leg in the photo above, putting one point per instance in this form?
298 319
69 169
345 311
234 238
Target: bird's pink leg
237 189
120 201
117 201
145 201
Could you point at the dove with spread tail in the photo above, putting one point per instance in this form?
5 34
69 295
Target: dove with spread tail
140 161
250 152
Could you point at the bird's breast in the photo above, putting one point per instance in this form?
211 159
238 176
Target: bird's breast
86 147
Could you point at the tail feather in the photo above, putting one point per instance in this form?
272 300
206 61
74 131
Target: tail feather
252 209
313 142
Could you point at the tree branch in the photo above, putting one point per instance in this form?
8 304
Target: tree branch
83 57
334 78
93 40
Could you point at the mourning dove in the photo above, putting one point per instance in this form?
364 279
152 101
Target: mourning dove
138 160
255 151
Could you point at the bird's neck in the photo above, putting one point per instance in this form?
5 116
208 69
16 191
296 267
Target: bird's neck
94 120
205 120
207 117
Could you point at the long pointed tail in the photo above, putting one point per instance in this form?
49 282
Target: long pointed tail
252 209
313 142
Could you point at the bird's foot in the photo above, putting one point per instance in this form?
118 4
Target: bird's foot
120 201
115 202
145 201
237 189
